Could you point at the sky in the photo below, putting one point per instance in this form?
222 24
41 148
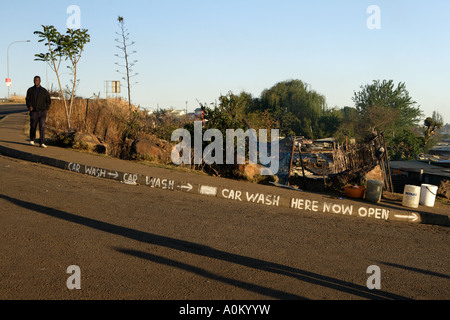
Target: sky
191 51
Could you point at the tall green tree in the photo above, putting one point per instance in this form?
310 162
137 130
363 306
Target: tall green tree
295 106
63 47
385 107
330 122
73 45
229 113
348 125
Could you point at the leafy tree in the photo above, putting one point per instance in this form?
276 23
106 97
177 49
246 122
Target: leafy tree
228 114
295 106
347 127
438 118
73 46
330 122
384 107
406 145
432 124
61 48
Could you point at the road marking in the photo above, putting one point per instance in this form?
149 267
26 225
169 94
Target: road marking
115 175
188 188
413 216
208 191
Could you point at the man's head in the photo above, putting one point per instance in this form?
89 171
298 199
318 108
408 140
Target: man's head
37 81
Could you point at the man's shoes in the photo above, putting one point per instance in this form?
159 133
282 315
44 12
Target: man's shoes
43 146
32 143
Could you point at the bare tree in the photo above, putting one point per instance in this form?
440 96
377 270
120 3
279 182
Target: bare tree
124 45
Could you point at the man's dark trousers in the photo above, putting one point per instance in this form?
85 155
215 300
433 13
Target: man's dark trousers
38 117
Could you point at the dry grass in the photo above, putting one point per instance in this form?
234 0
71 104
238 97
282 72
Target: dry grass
106 119
16 99
110 120
112 123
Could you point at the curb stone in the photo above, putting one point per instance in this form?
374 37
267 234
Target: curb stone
276 199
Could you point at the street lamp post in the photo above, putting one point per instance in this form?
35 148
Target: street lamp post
7 58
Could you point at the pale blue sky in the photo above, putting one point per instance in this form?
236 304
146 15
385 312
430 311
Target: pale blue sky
189 50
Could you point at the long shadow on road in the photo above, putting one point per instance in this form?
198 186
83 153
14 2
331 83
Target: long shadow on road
418 270
206 251
269 292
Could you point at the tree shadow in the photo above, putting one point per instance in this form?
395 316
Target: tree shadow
209 252
269 292
418 270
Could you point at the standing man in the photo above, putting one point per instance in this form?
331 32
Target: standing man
38 102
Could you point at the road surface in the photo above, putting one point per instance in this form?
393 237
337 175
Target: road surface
6 109
135 242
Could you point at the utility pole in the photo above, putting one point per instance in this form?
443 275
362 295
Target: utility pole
7 58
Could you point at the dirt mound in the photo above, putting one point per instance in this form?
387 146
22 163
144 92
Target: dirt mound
151 148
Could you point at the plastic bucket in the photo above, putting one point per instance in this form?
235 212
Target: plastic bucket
428 195
374 190
411 196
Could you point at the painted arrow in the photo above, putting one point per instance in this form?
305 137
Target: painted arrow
189 187
114 175
413 216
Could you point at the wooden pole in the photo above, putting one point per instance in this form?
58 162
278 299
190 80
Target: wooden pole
323 175
388 173
303 166
292 159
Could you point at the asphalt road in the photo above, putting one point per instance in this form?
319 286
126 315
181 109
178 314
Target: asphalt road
135 242
6 109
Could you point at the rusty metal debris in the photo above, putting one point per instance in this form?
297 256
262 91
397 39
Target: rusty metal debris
337 165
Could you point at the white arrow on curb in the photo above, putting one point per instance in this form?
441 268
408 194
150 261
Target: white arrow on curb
188 187
413 216
114 175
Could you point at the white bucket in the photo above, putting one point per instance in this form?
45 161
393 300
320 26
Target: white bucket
428 195
411 196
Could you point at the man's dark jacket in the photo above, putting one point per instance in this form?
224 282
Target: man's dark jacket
41 102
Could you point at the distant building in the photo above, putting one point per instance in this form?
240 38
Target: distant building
178 113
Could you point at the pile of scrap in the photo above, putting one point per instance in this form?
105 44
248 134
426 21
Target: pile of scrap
338 166
319 164
357 177
444 189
